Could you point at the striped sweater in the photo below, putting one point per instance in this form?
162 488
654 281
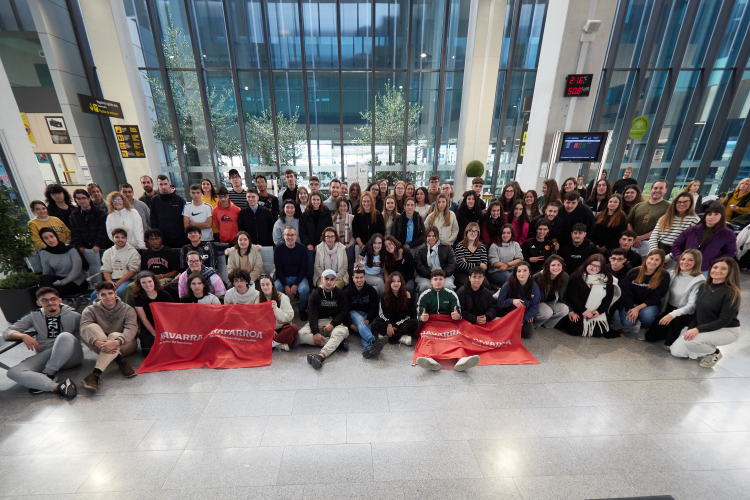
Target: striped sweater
669 237
472 259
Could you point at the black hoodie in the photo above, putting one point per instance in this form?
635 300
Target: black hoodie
166 216
322 304
634 294
581 215
364 301
574 256
477 303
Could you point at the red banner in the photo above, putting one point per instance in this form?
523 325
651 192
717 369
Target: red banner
197 335
497 342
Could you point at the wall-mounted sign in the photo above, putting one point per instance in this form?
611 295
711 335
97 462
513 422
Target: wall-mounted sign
57 130
28 129
578 85
129 141
639 127
100 106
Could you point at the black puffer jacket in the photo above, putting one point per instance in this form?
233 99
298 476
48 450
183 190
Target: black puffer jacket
445 255
398 230
89 229
309 231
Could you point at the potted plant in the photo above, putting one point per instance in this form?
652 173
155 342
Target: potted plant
18 285
475 168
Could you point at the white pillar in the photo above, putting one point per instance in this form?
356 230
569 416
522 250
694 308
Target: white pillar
22 163
483 48
112 47
560 52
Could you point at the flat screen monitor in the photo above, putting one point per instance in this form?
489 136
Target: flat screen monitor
582 146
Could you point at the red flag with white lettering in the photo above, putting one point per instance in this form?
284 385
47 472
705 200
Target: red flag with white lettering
197 335
497 342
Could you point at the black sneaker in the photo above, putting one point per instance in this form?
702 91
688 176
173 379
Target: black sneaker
374 350
316 360
39 391
67 389
303 315
344 345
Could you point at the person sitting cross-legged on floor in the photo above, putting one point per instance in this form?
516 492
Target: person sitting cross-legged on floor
285 330
397 319
440 300
520 291
715 322
109 327
327 309
56 344
363 308
119 263
243 291
552 281
477 304
147 290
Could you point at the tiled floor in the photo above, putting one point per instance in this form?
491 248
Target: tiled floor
595 419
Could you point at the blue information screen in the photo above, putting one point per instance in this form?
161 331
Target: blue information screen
582 146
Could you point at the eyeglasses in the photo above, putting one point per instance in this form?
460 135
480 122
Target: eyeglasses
194 262
53 300
116 200
473 231
683 202
594 266
616 259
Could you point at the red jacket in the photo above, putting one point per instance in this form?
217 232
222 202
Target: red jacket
226 220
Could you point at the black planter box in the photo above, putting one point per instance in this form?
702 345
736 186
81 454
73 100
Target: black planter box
16 303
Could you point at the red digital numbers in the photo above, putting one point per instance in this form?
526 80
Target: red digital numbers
581 80
574 90
572 80
578 85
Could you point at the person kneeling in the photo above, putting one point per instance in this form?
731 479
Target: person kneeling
396 320
520 291
56 345
327 310
440 300
284 329
109 328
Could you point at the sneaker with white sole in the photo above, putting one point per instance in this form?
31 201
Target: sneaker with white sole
405 339
710 360
67 389
641 335
428 363
464 364
282 347
667 348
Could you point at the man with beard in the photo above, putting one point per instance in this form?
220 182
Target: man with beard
166 214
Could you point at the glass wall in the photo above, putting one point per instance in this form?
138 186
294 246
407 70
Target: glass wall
522 42
693 93
312 85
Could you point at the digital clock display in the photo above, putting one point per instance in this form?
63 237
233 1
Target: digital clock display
578 85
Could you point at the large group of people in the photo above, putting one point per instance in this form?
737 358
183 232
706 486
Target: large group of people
599 261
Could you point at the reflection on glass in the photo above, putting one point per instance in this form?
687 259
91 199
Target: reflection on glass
178 51
140 33
618 94
256 111
529 38
289 93
153 90
458 29
667 33
391 25
633 33
701 34
325 129
212 35
246 25
423 93
738 26
226 132
357 98
284 34
427 34
449 125
673 125
321 45
356 34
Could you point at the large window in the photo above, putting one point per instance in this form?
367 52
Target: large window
312 85
680 68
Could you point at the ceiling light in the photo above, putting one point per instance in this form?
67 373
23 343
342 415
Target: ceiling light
247 88
424 55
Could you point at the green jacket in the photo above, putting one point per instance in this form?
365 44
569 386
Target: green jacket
441 302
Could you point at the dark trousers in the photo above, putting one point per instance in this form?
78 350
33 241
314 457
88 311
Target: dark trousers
146 339
576 329
527 330
668 333
70 288
408 327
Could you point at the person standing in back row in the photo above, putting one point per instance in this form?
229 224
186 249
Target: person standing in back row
166 214
256 220
237 195
627 180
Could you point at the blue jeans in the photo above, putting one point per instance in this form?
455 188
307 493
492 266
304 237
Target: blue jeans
499 277
358 319
303 288
647 315
120 291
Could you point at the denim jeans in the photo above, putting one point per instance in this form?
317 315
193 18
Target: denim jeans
303 288
647 315
120 291
358 319
499 278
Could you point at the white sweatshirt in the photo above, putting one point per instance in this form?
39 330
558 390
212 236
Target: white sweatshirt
130 220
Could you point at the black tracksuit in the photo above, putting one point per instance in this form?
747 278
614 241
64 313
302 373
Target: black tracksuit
258 224
404 321
166 216
534 248
479 303
574 256
322 304
365 301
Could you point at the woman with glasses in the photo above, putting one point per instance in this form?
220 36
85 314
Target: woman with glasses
331 254
285 330
470 253
591 291
123 215
399 194
147 290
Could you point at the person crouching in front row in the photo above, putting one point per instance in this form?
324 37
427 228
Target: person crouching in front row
327 310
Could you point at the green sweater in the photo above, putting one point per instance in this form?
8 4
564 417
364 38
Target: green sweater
441 302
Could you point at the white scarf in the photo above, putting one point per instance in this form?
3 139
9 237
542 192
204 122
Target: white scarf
598 291
330 257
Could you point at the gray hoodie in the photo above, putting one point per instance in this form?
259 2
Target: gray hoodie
36 321
121 319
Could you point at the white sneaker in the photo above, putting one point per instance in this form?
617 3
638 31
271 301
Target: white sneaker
428 364
405 339
274 344
464 364
710 360
283 347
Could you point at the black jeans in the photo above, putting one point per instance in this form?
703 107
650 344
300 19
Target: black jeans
408 327
147 340
668 333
